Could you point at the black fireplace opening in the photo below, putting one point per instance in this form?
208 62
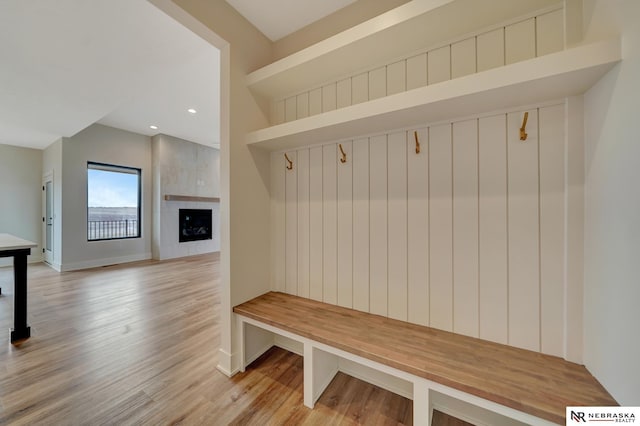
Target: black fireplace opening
194 225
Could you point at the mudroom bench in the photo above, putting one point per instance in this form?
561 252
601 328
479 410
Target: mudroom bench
514 384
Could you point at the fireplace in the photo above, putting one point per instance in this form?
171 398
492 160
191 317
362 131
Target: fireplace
194 225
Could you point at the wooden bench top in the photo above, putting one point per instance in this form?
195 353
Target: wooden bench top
527 381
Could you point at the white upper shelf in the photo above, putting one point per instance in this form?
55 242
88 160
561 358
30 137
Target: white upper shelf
406 29
554 76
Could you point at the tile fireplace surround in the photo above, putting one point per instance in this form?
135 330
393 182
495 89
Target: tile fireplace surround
186 176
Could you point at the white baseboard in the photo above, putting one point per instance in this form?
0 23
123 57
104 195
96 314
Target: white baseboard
225 363
8 261
164 256
55 266
95 263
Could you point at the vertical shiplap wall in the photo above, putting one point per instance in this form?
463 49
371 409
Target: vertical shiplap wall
378 233
466 236
361 231
493 247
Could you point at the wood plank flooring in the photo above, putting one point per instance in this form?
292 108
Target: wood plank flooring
138 344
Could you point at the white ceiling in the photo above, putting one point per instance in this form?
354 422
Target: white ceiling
279 18
66 64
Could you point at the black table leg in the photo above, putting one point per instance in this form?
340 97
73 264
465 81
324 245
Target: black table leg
21 330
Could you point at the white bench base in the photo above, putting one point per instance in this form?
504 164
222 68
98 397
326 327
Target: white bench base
322 362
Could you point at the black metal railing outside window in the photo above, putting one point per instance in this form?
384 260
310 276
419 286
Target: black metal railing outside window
110 229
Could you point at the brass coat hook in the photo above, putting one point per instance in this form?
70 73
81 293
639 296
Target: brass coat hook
344 154
523 133
415 135
290 166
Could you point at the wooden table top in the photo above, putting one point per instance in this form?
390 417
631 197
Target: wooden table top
531 382
11 242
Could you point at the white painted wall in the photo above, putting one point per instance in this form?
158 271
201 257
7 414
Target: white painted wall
183 168
245 264
20 197
101 144
612 207
52 163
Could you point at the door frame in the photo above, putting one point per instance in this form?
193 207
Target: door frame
47 255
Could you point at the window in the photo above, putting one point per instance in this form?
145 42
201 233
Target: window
113 202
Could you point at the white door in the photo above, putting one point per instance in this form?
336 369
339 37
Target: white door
47 218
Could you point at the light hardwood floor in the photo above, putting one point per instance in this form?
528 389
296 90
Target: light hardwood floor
138 344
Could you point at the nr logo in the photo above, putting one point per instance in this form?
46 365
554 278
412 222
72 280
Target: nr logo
577 416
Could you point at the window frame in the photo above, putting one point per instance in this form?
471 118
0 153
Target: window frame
93 165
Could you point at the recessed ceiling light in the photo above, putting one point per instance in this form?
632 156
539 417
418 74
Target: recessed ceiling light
192 111
153 127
